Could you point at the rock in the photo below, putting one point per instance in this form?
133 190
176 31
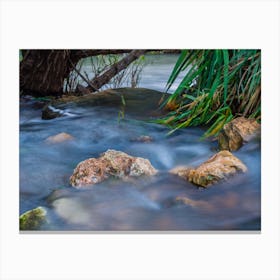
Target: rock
110 164
218 167
236 132
142 138
32 219
193 203
58 138
181 171
49 112
136 104
141 166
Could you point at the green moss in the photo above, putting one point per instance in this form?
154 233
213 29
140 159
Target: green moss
32 219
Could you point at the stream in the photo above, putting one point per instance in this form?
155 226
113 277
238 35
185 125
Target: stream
145 204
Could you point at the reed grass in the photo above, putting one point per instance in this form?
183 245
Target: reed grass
219 85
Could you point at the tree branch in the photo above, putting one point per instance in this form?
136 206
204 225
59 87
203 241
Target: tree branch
116 68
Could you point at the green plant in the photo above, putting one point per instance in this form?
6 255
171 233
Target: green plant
121 112
20 56
218 85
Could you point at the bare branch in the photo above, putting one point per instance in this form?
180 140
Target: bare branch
116 68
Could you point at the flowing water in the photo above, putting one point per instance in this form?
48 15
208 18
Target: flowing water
142 204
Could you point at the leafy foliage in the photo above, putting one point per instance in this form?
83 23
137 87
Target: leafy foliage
219 85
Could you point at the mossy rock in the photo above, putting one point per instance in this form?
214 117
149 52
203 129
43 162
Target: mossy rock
132 100
32 219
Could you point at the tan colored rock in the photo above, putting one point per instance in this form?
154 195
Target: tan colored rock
236 132
194 203
181 171
218 167
58 138
141 166
110 164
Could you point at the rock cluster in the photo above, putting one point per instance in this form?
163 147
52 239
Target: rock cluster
110 164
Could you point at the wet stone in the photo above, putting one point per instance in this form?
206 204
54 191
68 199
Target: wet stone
33 219
237 132
49 112
59 138
112 163
143 139
219 167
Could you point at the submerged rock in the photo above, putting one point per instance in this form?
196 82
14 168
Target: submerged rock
193 203
110 164
143 139
237 132
32 219
58 138
136 103
49 112
218 167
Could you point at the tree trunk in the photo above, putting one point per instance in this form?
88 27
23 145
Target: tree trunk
42 72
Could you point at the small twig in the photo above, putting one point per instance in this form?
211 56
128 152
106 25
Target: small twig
82 76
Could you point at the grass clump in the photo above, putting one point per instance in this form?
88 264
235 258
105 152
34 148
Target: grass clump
218 86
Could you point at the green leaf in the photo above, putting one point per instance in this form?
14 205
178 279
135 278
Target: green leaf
226 78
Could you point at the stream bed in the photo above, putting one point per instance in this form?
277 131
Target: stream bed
145 204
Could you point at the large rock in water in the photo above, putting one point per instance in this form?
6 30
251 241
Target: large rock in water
111 163
236 132
140 103
220 166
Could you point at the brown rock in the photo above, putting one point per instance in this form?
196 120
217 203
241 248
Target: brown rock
236 132
111 163
58 138
143 138
181 171
194 203
218 167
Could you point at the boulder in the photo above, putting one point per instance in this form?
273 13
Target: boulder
237 132
136 104
32 219
58 138
110 164
220 166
